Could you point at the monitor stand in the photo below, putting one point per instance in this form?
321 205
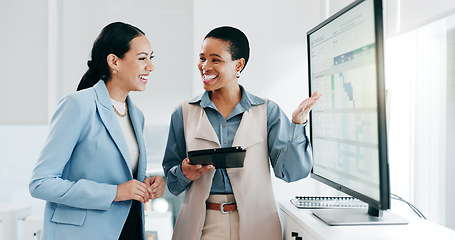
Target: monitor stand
356 216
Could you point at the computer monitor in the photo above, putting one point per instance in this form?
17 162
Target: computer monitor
348 124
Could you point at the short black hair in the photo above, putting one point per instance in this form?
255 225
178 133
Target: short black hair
239 46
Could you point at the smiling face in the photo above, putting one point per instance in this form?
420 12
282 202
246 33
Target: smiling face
131 72
216 65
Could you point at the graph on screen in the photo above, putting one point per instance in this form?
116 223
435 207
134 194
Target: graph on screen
345 131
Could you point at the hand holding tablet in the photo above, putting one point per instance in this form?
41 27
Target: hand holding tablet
231 157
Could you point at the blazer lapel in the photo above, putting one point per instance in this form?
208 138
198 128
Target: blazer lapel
138 127
205 130
110 121
246 135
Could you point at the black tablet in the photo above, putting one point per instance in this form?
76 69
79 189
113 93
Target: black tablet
231 157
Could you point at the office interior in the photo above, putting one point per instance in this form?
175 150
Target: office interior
46 44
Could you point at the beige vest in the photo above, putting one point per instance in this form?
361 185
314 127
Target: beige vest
251 184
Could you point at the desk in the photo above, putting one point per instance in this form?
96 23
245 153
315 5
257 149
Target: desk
309 227
9 215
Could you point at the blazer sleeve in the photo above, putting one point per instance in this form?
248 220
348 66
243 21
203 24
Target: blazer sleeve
47 182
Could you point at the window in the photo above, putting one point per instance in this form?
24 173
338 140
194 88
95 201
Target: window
420 73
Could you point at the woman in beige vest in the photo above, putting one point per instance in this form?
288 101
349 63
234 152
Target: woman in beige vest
233 203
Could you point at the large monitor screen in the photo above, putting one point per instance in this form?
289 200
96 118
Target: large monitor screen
345 121
348 127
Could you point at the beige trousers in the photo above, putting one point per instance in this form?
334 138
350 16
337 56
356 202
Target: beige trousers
220 226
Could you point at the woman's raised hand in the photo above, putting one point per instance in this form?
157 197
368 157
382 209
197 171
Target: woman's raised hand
300 115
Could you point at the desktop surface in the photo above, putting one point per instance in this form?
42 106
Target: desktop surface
312 227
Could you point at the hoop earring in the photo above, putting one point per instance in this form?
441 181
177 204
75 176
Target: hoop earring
237 75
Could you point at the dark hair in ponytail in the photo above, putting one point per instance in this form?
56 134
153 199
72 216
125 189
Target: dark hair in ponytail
115 38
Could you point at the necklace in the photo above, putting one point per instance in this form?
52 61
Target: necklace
121 115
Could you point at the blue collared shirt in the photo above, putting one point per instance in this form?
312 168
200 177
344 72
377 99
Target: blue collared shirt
288 145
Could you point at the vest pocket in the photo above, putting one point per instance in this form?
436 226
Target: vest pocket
69 215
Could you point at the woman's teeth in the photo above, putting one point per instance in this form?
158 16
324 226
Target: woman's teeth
209 77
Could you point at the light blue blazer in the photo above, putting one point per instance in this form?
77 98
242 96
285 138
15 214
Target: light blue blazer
84 158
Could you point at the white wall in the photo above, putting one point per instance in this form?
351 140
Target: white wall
25 75
450 163
23 45
417 13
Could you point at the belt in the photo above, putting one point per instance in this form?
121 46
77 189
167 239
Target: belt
225 207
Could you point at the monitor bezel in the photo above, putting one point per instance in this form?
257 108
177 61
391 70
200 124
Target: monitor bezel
384 181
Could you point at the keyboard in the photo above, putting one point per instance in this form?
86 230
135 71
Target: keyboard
314 202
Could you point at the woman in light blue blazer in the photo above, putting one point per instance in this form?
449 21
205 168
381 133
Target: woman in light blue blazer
91 171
